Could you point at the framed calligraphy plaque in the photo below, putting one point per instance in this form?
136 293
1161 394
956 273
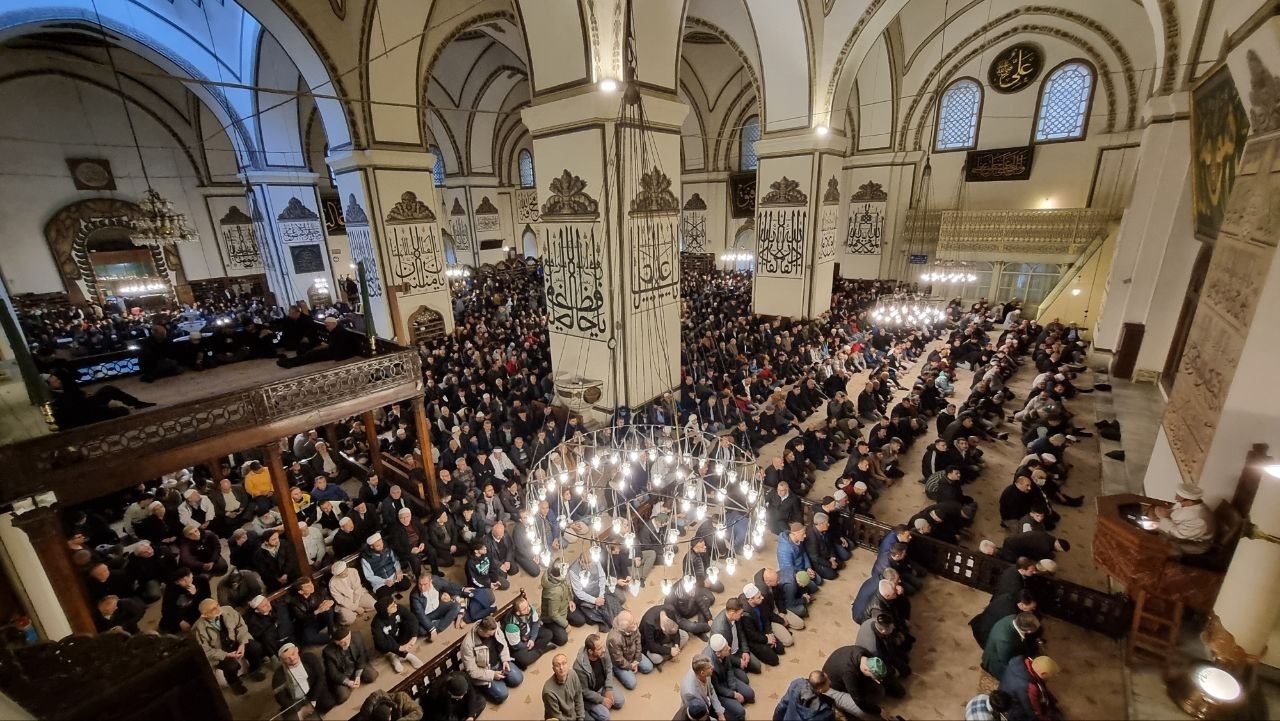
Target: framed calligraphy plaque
1015 67
307 258
998 164
742 195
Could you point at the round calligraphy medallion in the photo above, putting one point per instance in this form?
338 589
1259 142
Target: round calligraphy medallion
1015 67
92 174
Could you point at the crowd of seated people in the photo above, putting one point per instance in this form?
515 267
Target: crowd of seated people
487 388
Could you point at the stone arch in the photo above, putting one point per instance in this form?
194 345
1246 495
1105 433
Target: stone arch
69 231
425 324
938 78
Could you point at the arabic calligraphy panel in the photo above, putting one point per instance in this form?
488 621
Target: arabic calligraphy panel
693 231
780 237
742 195
998 164
417 258
828 226
361 242
573 266
1015 67
527 206
307 259
655 267
1219 129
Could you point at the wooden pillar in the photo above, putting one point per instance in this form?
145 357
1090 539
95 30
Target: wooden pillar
215 470
424 444
331 436
375 450
280 482
44 529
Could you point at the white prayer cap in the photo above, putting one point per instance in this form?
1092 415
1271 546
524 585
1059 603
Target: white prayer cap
374 539
1047 565
337 568
750 591
284 648
1048 458
718 642
841 495
859 486
921 525
404 512
1189 493
257 601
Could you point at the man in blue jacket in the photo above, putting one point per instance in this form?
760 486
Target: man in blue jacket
793 560
806 700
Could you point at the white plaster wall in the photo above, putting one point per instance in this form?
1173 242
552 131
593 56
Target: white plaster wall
784 296
48 119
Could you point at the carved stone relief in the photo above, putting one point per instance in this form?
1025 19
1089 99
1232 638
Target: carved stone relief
460 226
569 198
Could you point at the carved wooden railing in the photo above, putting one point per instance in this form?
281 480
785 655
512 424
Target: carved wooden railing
1088 608
994 234
158 429
448 660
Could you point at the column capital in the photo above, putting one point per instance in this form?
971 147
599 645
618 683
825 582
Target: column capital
343 160
1171 107
801 141
594 106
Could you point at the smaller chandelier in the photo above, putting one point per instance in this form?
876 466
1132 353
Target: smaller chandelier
160 223
737 257
902 310
457 272
947 272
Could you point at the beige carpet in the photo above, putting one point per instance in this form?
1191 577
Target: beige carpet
946 658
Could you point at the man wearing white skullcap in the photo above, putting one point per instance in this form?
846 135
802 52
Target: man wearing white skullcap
1188 521
351 599
759 622
728 680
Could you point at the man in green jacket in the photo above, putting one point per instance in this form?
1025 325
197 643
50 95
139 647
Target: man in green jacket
557 602
1013 635
562 693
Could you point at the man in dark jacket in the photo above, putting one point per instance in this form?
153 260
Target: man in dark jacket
783 508
1000 606
346 664
661 638
395 633
287 681
453 698
806 699
339 345
269 624
817 544
856 678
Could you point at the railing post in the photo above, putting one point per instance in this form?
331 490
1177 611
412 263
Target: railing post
371 437
280 483
432 490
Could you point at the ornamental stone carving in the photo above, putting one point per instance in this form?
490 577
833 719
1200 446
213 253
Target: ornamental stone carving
569 198
1264 96
410 210
784 191
655 194
294 210
354 214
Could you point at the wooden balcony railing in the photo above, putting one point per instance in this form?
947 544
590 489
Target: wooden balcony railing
244 418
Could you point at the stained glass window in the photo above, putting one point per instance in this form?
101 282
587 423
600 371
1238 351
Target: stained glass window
750 134
437 171
1064 103
958 115
526 169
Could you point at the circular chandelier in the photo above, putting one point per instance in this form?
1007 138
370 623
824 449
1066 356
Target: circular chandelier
457 272
620 490
160 224
899 310
737 257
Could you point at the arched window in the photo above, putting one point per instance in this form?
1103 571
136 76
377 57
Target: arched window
747 159
526 169
1064 103
958 115
437 171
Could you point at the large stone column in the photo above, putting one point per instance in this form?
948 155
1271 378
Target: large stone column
44 529
1243 620
285 211
798 221
391 214
1156 246
608 237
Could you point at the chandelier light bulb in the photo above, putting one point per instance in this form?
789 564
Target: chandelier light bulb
596 524
721 495
719 530
752 495
634 587
672 535
684 505
713 573
747 551
687 583
731 565
593 500
669 557
584 577
608 85
595 461
626 469
690 491
545 557
616 526
594 552
564 476
702 511
666 586
629 540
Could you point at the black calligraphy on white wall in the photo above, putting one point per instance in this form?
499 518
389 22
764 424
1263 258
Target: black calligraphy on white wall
780 229
652 227
487 217
829 222
693 225
574 271
866 219
299 224
239 241
417 258
460 226
527 206
356 222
